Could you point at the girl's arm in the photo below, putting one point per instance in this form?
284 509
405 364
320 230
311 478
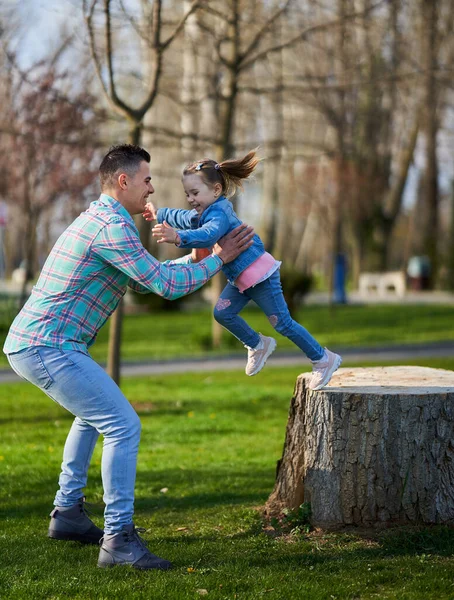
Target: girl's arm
203 237
177 218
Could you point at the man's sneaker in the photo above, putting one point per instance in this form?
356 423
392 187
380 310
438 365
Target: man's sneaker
257 357
323 369
72 523
127 548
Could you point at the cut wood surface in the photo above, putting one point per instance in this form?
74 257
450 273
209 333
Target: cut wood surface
375 447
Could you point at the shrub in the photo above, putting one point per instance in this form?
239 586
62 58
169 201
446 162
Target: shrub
295 285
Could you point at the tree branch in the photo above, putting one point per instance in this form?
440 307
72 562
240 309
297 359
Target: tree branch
94 54
306 32
261 32
194 6
219 14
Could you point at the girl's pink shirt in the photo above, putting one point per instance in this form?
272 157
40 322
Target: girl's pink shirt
260 270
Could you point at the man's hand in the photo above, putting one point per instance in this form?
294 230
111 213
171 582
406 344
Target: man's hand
165 233
150 213
234 243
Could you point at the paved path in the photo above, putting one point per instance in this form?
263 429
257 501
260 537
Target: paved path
351 356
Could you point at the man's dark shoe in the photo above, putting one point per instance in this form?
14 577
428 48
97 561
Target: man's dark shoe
127 548
72 523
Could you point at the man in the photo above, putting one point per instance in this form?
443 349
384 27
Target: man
85 276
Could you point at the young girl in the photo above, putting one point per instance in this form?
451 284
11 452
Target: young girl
254 275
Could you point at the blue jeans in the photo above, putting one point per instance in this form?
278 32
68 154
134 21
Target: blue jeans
76 382
269 297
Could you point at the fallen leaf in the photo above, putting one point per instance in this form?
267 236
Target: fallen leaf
164 490
182 528
191 570
202 592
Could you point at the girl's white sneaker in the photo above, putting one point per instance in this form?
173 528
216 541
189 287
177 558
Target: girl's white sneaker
257 357
323 369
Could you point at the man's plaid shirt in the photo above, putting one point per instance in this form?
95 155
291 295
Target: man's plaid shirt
87 273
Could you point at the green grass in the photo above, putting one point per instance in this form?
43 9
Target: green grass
213 440
188 334
167 335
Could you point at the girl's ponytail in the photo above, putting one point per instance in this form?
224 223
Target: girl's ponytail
235 170
229 173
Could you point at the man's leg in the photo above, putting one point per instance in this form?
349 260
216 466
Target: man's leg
76 382
70 520
77 454
81 386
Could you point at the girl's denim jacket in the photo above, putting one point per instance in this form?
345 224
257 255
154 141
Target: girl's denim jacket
205 230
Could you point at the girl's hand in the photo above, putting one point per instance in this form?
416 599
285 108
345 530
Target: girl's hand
150 213
165 233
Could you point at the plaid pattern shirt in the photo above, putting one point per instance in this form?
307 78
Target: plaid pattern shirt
87 273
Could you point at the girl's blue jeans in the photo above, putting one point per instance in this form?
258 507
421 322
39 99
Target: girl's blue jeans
269 297
76 382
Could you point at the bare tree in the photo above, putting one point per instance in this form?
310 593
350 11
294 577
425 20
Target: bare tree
236 36
354 79
105 46
429 33
47 153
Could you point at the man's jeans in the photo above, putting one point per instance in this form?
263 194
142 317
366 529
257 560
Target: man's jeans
80 385
269 297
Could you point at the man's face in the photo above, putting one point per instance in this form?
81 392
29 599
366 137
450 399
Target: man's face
137 190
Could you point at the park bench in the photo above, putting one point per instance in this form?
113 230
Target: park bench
382 284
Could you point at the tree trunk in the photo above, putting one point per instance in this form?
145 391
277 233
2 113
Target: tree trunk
271 108
374 448
189 85
431 195
450 260
116 320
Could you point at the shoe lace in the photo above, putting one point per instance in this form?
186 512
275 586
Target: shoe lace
134 538
89 509
319 367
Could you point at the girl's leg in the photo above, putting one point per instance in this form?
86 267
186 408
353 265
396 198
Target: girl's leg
230 303
269 296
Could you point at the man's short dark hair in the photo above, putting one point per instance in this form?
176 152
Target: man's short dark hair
124 158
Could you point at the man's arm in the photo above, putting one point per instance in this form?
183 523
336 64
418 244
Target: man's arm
234 243
118 244
187 259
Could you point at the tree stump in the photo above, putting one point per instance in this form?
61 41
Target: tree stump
374 448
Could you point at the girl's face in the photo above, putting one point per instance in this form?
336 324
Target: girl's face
200 195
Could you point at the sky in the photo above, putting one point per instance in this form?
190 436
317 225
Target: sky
41 22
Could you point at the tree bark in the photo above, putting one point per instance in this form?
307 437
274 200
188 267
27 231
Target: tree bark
375 448
431 192
116 319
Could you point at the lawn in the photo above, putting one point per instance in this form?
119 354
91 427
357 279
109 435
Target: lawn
212 441
167 335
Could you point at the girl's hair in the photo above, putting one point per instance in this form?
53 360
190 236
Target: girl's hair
229 173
